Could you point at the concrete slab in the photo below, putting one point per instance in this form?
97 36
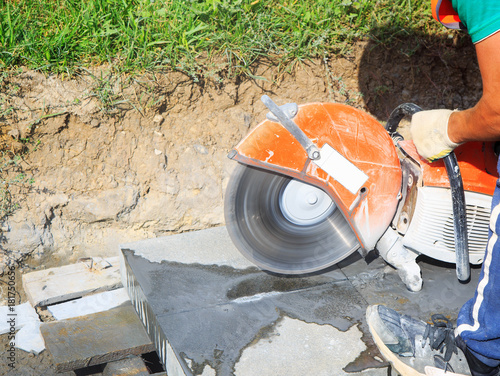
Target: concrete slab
211 312
89 304
209 247
96 339
54 285
308 343
215 315
130 366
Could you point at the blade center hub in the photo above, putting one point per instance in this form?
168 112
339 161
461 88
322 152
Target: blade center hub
312 199
304 204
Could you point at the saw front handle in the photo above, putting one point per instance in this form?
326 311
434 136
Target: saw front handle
460 217
457 192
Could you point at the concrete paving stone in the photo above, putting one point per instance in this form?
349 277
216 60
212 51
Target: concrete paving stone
216 314
96 339
54 285
209 311
130 366
210 247
89 304
221 332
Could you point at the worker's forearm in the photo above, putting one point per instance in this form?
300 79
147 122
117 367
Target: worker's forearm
480 123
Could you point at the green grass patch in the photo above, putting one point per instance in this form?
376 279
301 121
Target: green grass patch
196 36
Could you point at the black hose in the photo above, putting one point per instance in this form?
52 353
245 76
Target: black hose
457 193
459 217
405 109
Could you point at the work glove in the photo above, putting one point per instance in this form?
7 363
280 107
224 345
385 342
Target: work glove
429 130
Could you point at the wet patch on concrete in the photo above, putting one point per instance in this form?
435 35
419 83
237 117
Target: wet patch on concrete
173 287
258 284
368 358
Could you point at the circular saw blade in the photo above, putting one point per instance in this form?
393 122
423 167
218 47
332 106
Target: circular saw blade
263 234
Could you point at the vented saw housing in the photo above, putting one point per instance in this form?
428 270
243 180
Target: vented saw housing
425 216
431 229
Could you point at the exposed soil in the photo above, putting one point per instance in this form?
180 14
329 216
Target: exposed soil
26 364
127 158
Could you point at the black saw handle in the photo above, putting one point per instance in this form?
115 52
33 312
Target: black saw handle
457 192
459 217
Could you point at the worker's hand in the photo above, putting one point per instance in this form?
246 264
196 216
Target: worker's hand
429 130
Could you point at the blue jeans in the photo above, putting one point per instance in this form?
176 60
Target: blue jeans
479 319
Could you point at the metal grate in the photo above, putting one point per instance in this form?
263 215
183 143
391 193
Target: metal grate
168 356
431 229
477 229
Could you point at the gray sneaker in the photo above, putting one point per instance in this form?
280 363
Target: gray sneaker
413 347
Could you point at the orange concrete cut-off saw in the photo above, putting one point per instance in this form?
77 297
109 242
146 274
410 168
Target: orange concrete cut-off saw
317 182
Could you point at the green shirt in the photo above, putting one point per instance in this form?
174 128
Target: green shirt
480 17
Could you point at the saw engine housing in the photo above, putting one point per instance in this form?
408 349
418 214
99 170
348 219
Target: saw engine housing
425 217
384 195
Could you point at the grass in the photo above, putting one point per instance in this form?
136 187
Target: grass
195 36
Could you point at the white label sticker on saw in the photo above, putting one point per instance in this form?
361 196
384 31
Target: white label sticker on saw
341 169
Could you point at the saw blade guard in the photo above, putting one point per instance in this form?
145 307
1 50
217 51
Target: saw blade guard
355 145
